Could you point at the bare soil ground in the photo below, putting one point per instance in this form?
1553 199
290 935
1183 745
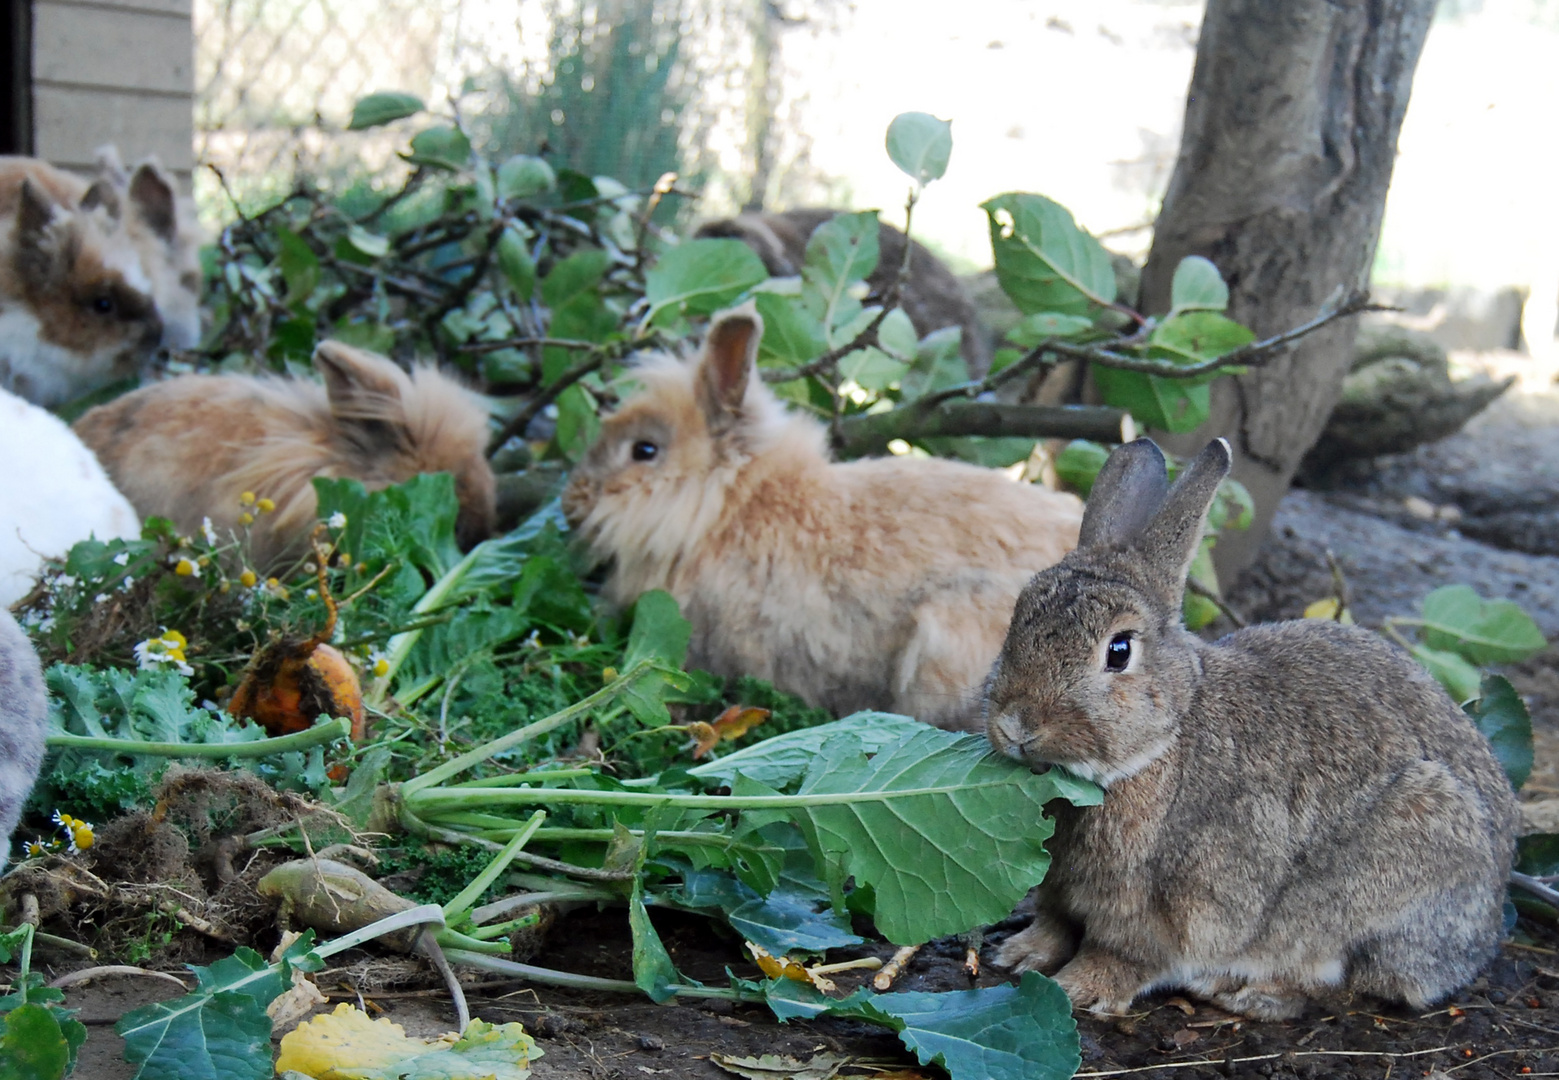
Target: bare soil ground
1506 1022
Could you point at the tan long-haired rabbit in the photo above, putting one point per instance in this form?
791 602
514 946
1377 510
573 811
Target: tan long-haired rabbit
882 583
187 448
1295 807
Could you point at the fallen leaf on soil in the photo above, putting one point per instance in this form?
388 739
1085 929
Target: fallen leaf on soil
296 1002
781 1067
735 722
783 966
347 1045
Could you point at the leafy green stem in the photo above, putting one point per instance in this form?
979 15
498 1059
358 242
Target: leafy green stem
468 896
326 732
550 977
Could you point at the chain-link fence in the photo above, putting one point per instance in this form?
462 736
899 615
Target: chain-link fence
624 88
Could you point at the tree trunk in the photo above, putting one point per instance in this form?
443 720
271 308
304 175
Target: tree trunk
1290 134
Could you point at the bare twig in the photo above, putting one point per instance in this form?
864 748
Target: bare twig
1339 585
871 432
1530 884
517 423
76 978
1194 586
479 347
883 980
1254 353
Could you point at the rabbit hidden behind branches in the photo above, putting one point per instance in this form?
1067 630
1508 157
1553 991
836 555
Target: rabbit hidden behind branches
880 583
1296 807
189 447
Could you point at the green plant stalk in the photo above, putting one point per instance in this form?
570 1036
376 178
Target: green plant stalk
28 930
468 896
318 735
475 757
490 827
549 977
539 777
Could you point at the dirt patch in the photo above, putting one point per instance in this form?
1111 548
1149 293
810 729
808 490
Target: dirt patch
1506 1021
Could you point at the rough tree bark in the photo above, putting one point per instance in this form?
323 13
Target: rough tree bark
1290 135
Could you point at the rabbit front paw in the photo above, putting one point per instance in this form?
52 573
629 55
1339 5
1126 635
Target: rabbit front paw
1101 983
1043 945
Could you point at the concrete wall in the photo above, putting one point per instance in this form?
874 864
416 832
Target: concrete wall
114 71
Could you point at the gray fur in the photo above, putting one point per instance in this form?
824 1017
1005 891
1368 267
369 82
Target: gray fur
23 724
1295 807
1126 493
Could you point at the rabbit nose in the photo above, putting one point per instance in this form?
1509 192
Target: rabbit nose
1006 730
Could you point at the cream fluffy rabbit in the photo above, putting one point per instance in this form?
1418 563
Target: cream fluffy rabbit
54 494
881 583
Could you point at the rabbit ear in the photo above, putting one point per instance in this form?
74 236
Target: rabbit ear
365 393
153 197
1127 493
730 354
102 193
1169 542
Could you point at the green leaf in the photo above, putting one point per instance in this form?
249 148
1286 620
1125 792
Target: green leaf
659 631
383 108
1023 1032
1198 336
896 335
578 422
1197 284
938 364
840 253
1044 262
1174 405
792 335
946 832
442 147
572 291
298 264
1460 679
872 369
784 759
218 1032
1079 463
523 176
1457 619
1502 716
33 1046
1047 324
514 260
920 145
368 243
698 277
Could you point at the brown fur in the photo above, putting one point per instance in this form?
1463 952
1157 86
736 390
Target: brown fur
882 583
932 298
187 448
1296 807
76 305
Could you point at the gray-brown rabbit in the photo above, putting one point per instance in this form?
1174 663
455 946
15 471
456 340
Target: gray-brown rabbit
1296 807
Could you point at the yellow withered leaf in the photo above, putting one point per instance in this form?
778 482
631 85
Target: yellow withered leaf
347 1045
1327 609
783 966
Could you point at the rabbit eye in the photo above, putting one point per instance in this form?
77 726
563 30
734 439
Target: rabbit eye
644 450
103 305
1118 653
